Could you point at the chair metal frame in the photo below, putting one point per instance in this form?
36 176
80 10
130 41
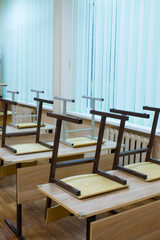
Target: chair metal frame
146 150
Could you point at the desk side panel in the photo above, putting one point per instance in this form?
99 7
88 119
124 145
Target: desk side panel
139 223
11 169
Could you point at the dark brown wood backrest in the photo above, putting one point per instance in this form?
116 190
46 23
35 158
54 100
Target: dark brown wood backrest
104 115
153 129
148 150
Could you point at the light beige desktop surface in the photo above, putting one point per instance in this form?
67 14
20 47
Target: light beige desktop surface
64 150
137 191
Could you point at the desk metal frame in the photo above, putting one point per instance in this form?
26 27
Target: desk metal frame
17 231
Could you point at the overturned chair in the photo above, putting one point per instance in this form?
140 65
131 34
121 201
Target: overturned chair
38 146
87 185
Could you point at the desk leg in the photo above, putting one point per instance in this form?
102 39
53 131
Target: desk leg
17 231
1 162
113 150
89 220
48 205
113 211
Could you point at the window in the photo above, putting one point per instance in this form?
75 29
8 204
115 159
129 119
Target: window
117 54
27 46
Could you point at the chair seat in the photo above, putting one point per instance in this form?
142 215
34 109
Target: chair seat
81 141
30 148
92 184
28 125
152 170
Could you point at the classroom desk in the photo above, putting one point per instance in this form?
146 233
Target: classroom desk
29 177
142 222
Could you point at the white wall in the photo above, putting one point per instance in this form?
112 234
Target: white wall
57 51
66 53
62 52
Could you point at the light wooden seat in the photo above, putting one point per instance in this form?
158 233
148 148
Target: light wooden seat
28 125
152 170
29 148
3 84
92 184
81 141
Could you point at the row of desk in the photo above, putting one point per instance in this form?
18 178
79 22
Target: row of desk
29 177
138 223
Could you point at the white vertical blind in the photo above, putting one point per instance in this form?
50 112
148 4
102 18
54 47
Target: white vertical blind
117 54
27 46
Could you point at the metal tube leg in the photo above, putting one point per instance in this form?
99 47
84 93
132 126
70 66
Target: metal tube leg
19 210
112 150
93 119
1 162
113 212
19 219
89 220
48 205
17 231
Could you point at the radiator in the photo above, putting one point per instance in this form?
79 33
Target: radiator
24 111
130 142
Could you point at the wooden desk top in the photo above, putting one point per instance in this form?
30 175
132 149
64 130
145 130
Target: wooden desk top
64 150
138 190
10 129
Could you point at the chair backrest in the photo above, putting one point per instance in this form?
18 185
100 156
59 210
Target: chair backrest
104 115
149 147
41 101
133 151
153 130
